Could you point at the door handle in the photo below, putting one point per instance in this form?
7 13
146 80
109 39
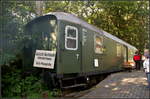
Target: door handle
77 55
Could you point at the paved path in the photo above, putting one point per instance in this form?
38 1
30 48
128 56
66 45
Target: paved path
121 85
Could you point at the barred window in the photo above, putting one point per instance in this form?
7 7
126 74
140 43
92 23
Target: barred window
71 38
98 44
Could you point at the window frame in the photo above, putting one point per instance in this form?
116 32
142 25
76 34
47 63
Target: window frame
72 38
95 43
118 52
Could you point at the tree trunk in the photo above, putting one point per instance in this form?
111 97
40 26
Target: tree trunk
39 7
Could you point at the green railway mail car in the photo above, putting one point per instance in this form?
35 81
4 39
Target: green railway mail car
71 52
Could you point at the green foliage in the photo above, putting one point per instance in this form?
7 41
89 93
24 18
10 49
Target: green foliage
14 16
11 85
56 93
14 85
124 19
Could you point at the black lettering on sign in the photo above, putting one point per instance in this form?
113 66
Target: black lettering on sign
46 64
38 63
48 54
39 54
44 58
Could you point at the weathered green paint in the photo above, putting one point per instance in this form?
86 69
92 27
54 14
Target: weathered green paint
36 31
109 54
87 52
68 62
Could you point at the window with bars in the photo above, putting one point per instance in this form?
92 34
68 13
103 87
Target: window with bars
71 38
98 45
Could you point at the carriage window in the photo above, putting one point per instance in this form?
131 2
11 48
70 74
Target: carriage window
98 45
118 50
71 38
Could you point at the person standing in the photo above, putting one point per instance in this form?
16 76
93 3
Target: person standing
146 67
142 60
137 60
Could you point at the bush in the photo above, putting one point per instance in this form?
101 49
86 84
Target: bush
14 85
11 84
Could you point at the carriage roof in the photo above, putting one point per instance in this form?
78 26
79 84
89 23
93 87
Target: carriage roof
75 19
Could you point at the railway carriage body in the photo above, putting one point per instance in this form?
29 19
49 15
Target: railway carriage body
80 49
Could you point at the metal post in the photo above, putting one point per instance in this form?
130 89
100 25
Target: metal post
149 34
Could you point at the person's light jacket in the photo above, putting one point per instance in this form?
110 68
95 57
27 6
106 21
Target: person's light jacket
146 65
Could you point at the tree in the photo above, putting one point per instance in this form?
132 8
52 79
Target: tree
126 20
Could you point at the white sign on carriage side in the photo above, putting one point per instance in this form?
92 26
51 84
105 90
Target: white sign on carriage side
96 62
44 59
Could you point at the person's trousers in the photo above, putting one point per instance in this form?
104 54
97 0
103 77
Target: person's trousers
148 79
138 65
